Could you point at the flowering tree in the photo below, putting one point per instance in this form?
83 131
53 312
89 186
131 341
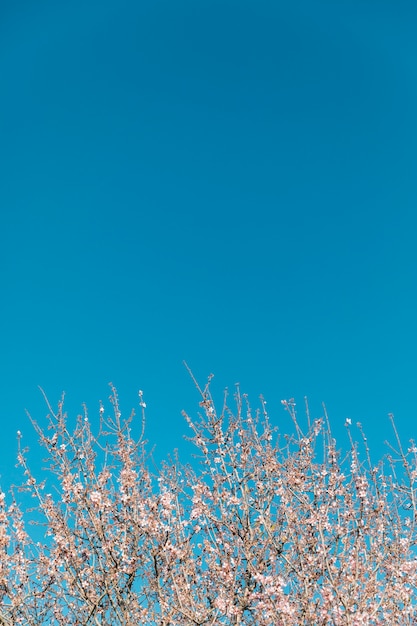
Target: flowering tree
259 529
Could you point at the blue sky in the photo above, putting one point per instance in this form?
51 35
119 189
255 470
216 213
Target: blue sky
228 183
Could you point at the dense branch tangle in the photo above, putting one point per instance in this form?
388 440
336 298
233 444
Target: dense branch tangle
260 529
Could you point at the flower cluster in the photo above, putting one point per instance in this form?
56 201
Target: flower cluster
264 530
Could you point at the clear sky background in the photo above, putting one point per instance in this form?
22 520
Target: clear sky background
229 182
